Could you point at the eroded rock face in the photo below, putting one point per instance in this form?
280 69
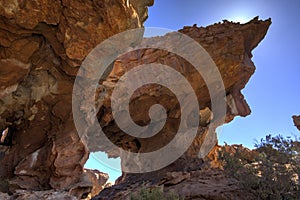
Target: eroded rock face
42 45
35 195
90 184
230 45
97 181
209 184
297 121
44 42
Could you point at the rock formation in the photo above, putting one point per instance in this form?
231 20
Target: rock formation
42 45
230 45
297 121
35 195
208 184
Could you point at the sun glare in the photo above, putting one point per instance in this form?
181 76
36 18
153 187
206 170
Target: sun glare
240 18
240 13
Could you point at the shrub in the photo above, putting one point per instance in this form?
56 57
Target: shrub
273 173
153 194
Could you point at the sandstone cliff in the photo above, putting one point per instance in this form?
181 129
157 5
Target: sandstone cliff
230 45
42 45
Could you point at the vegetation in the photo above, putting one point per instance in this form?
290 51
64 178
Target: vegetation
153 194
272 171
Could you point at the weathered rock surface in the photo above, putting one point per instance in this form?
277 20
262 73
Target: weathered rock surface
210 184
42 44
38 195
297 121
90 184
94 181
4 196
229 45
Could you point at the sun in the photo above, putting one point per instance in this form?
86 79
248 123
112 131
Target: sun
240 18
240 13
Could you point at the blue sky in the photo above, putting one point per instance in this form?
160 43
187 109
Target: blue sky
273 92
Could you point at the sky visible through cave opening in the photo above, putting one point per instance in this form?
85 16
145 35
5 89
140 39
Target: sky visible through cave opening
272 92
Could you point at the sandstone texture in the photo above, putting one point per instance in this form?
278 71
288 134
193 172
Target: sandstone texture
37 195
95 180
211 182
230 45
208 184
42 44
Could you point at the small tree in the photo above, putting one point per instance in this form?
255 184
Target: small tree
273 173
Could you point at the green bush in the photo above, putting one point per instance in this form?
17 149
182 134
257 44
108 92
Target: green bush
153 194
272 173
